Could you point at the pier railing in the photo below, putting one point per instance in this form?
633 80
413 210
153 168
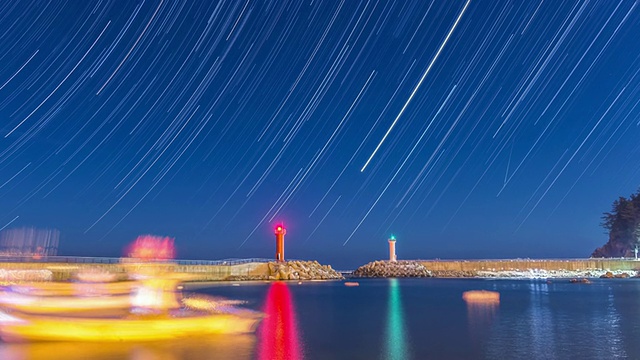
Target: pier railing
113 260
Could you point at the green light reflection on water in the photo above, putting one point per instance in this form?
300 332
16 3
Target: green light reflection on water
397 347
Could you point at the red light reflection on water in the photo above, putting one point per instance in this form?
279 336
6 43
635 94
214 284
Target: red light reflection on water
278 333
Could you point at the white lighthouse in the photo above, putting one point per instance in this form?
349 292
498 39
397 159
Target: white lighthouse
392 249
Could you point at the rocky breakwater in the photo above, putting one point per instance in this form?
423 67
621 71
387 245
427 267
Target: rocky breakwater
302 270
391 269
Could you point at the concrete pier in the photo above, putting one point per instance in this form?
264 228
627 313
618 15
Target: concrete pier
65 271
527 264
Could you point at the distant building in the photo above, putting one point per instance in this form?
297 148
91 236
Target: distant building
29 242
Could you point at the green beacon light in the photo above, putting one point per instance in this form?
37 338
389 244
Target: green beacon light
392 249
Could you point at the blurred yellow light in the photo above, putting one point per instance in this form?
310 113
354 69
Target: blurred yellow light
44 328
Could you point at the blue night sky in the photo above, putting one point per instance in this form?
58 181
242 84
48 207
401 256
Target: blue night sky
480 129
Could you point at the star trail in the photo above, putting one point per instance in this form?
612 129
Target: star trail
467 128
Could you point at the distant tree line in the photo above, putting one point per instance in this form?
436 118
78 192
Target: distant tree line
623 225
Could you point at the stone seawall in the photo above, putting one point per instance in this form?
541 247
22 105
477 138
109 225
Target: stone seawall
291 270
513 268
438 268
65 272
530 264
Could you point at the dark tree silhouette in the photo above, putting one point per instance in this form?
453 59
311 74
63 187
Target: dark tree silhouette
623 225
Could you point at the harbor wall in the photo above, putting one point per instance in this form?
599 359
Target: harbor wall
526 264
66 271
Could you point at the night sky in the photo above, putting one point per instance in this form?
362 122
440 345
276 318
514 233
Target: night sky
480 129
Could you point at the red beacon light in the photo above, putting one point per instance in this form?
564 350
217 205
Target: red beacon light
280 231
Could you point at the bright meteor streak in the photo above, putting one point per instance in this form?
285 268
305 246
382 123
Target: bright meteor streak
418 85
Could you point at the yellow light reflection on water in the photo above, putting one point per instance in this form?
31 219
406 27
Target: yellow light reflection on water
237 347
397 346
482 309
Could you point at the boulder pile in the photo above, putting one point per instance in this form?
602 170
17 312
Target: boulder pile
391 269
302 270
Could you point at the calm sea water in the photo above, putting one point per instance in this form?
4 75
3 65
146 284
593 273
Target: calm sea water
403 319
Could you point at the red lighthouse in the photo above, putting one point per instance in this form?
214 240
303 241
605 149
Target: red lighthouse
280 232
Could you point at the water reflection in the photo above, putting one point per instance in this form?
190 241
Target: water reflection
397 346
210 347
530 328
625 298
560 320
480 316
541 337
278 334
609 329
